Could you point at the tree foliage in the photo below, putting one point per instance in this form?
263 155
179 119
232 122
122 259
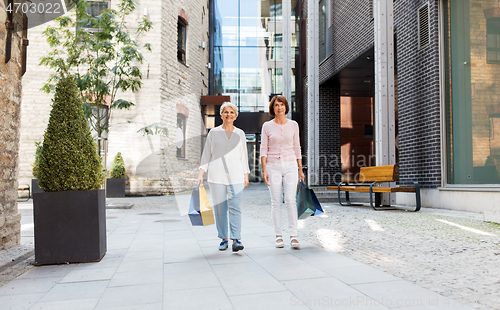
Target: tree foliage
154 129
68 160
118 167
102 55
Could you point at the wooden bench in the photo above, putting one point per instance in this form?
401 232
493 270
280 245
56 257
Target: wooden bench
22 189
368 177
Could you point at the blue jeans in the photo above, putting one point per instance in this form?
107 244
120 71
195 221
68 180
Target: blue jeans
227 198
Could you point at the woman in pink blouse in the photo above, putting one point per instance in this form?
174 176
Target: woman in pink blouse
282 166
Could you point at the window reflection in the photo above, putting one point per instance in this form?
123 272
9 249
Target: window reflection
248 51
473 93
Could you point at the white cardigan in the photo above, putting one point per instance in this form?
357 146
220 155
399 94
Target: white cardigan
226 160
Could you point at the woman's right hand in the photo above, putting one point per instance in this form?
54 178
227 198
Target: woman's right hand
199 180
265 176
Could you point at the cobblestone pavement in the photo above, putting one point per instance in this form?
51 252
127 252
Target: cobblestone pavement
452 253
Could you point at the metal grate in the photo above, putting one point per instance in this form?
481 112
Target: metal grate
423 26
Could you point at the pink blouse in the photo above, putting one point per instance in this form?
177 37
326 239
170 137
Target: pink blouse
280 142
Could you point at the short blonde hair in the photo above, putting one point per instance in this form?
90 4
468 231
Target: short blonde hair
229 104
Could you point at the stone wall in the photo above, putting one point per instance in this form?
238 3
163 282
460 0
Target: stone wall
10 104
182 87
151 161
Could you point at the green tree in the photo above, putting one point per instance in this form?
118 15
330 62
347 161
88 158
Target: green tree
68 160
118 167
101 54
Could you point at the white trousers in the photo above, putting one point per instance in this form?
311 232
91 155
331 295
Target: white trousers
283 175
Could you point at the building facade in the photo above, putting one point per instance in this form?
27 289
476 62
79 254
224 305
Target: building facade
13 44
446 105
175 76
254 54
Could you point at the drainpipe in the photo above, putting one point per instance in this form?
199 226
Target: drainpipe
385 137
312 92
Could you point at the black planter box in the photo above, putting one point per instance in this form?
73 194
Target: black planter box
70 227
115 188
34 186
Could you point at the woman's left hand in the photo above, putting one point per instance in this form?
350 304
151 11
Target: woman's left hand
302 177
246 180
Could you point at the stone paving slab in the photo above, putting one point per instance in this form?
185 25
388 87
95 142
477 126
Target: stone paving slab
367 252
157 260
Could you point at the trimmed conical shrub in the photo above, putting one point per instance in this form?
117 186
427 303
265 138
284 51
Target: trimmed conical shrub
68 160
37 159
118 167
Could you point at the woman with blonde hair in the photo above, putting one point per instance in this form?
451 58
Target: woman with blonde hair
281 161
225 158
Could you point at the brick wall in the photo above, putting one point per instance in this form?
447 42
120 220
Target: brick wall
10 92
330 169
418 97
417 74
352 35
151 162
184 84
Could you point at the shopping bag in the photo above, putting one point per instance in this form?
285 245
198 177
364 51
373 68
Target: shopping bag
307 202
305 205
200 213
317 206
194 208
207 214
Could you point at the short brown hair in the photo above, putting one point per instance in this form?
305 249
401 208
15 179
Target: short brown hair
281 99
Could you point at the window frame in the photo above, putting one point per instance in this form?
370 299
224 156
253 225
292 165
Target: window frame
182 50
496 34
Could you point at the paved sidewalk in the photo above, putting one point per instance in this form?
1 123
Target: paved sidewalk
157 260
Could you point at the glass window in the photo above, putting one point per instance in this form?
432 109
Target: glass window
226 71
472 97
226 23
181 40
94 9
322 29
248 51
493 40
181 135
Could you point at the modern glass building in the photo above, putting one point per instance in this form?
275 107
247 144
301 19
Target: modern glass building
254 54
249 44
